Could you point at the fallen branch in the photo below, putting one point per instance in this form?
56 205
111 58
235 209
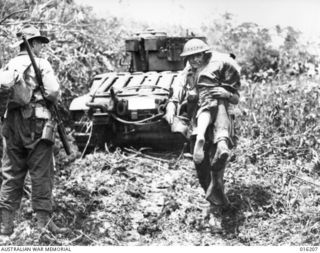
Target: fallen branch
145 155
76 239
97 243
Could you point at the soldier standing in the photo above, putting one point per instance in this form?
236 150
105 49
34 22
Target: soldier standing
24 150
210 82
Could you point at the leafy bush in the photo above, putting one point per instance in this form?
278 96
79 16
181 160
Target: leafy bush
261 52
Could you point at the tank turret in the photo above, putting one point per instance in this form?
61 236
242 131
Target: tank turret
155 51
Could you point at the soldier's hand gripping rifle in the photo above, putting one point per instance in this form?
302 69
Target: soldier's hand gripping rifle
50 106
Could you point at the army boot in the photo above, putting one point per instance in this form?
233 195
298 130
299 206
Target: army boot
44 222
7 222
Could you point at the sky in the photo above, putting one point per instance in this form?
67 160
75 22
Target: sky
303 15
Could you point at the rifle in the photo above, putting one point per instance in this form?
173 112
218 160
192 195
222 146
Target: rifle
50 106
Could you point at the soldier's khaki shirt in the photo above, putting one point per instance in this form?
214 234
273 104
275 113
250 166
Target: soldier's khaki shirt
15 69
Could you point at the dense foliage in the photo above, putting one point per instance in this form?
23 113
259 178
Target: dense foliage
129 198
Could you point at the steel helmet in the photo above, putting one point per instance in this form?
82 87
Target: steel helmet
194 46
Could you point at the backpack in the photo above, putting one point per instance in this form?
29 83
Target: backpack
14 90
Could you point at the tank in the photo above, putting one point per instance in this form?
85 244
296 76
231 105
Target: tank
127 108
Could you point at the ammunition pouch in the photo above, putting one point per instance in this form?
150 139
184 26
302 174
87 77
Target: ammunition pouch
44 125
43 129
41 125
48 132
